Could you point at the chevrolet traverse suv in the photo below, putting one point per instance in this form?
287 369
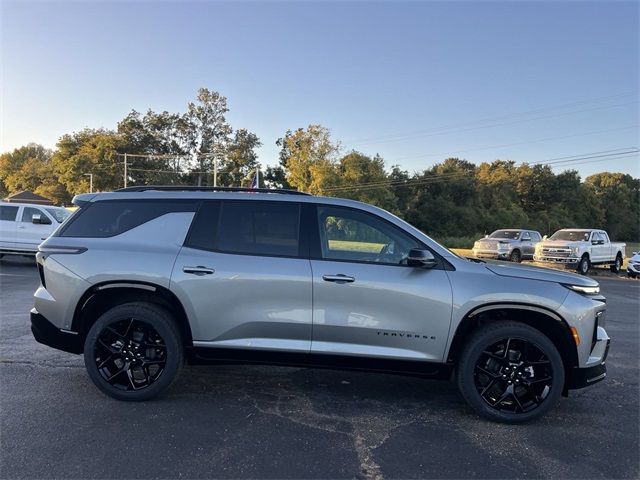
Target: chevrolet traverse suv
142 279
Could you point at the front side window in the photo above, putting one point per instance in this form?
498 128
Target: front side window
347 234
8 213
29 212
259 228
526 237
60 214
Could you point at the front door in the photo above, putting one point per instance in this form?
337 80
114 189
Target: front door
244 278
29 234
366 299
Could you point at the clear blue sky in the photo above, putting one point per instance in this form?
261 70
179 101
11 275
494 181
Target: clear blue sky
383 76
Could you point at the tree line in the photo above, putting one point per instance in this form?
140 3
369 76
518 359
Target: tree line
454 200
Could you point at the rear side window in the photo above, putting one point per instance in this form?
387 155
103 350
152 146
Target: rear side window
110 218
248 227
29 212
8 213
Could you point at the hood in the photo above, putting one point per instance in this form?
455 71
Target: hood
559 243
539 273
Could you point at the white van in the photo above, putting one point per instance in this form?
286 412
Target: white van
23 226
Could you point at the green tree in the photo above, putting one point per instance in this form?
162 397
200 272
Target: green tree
309 156
240 160
355 169
30 168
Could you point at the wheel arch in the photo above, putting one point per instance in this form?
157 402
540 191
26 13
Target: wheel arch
546 321
104 296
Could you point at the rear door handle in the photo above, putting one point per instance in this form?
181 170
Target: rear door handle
339 278
199 270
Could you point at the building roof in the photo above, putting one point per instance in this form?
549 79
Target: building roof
28 197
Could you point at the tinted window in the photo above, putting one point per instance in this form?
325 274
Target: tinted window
203 230
60 214
8 213
110 218
260 228
347 234
29 212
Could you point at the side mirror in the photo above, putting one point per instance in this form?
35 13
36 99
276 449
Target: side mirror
544 237
419 257
486 236
37 219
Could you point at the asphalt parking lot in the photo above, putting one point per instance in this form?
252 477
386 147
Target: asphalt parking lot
268 422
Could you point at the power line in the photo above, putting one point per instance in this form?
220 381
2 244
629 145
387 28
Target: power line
496 118
459 130
441 154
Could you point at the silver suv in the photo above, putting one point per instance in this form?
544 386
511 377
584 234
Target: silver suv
143 278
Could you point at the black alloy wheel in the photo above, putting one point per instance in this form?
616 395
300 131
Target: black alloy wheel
133 351
513 375
510 372
130 354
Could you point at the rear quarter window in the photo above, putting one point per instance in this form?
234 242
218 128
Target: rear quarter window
8 213
110 218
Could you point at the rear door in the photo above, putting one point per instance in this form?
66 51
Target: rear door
8 225
366 300
244 276
29 234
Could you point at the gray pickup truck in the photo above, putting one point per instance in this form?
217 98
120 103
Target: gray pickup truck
513 244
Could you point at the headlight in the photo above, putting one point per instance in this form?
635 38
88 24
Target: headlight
503 245
584 290
575 250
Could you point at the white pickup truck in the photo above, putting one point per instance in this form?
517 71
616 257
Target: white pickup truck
581 249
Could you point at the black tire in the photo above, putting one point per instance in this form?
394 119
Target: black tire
617 266
515 256
134 351
584 265
531 388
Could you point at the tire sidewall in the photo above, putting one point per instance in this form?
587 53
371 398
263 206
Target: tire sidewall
515 256
161 321
488 336
583 265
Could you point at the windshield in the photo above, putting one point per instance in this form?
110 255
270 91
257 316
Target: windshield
510 234
60 214
571 235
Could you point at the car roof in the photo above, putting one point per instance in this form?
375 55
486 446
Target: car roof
35 205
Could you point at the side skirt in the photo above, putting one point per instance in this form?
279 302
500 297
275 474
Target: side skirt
228 356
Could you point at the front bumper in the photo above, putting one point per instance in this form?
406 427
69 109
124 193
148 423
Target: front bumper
595 370
635 269
493 254
569 261
48 334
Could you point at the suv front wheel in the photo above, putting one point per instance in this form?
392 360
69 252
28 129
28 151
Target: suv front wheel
133 351
510 372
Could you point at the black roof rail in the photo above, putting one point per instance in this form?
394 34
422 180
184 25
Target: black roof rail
188 188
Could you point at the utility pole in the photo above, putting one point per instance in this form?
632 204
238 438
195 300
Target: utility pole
90 175
125 170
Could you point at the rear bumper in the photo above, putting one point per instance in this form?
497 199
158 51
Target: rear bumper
48 334
596 369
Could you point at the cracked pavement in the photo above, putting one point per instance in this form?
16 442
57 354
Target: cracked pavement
276 422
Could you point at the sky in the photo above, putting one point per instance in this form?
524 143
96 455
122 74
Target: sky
415 82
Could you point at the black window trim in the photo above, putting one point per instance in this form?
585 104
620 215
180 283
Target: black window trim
303 241
316 248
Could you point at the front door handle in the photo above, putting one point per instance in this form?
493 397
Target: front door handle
339 278
199 270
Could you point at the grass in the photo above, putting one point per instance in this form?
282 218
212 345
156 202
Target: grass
349 246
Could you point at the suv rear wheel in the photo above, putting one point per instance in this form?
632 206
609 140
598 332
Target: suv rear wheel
510 372
133 351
